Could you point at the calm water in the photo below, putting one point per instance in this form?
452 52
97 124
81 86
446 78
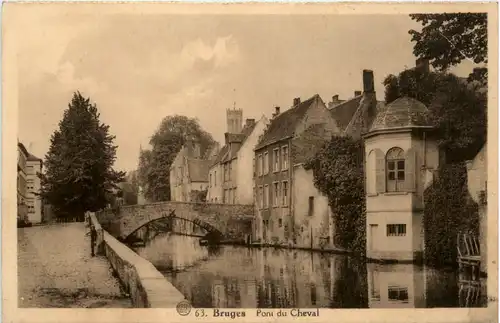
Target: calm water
231 277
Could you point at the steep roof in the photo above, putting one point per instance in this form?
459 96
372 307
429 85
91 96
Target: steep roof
198 169
33 158
221 155
364 116
344 112
229 152
24 150
404 112
285 123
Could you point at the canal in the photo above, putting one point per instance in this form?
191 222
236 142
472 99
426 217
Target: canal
236 276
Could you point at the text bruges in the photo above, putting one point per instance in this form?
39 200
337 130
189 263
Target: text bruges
231 314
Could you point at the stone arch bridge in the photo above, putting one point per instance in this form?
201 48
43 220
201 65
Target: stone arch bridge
230 221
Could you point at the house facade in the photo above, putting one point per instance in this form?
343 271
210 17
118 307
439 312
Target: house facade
34 202
189 174
22 191
477 181
401 153
231 174
280 209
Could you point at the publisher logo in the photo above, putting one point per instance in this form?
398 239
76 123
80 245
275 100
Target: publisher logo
183 308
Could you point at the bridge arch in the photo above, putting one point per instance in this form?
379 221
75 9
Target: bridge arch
212 231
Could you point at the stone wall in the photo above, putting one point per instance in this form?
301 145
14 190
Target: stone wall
147 287
234 221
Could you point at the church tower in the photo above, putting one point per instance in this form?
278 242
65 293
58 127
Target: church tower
234 120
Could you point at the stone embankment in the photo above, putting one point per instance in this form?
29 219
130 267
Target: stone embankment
146 286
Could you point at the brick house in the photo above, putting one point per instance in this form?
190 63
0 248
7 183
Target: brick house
290 209
274 161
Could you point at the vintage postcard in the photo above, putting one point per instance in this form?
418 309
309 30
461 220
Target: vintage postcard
249 162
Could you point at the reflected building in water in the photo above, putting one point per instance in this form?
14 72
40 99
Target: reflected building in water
396 286
239 277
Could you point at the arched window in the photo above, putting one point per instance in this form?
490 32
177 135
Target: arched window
395 169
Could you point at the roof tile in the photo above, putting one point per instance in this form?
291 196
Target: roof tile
284 124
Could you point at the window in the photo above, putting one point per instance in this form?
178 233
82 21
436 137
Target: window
311 205
266 196
266 163
276 158
313 294
215 178
260 166
284 188
210 180
280 223
284 155
276 194
230 170
234 196
398 294
395 163
261 196
253 166
396 229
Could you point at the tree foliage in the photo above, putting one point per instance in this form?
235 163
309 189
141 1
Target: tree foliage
166 142
446 39
449 210
79 164
339 174
457 108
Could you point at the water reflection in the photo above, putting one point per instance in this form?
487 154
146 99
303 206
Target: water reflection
232 277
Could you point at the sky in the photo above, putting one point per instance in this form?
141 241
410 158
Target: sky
141 68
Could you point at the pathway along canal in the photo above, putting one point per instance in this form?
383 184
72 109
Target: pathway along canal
235 276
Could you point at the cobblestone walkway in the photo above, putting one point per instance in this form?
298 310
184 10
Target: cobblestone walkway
55 269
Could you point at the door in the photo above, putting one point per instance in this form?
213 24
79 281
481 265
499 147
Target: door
372 239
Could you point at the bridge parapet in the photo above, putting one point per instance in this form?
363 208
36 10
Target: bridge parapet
234 221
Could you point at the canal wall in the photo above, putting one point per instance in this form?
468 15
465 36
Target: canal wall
147 287
234 221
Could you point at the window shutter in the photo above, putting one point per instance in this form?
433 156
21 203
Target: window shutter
380 171
410 167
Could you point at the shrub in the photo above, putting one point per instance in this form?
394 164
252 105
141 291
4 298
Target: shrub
449 210
339 174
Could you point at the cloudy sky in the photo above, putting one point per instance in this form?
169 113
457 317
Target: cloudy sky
140 68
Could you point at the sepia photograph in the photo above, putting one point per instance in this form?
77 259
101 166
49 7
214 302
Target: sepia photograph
228 164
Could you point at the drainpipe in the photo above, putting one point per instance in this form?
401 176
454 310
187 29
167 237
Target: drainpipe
425 151
311 236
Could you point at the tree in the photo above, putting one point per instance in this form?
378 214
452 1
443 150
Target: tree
447 39
79 172
457 108
166 142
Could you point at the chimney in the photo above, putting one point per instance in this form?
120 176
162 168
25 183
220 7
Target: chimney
296 102
335 98
422 64
250 122
276 112
368 85
357 93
